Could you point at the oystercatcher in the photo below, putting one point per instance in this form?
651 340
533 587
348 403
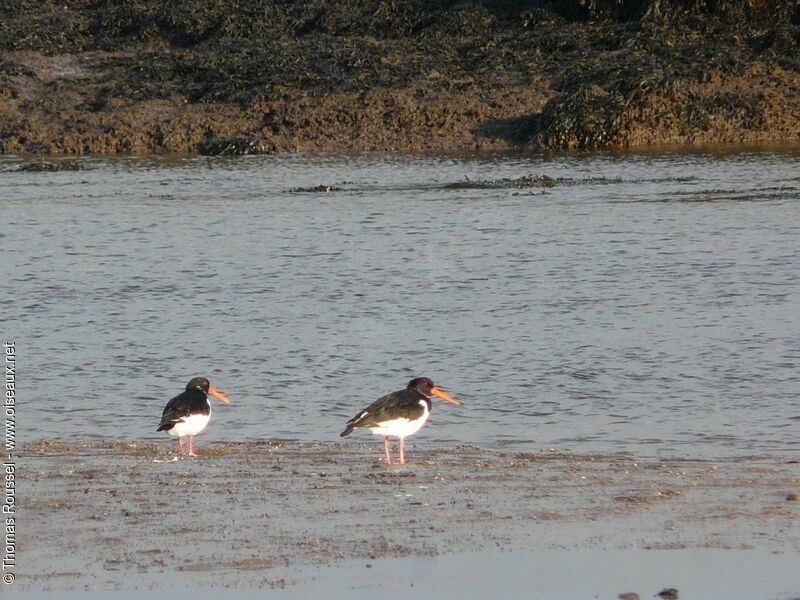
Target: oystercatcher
188 413
400 413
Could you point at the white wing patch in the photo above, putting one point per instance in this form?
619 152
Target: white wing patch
402 427
191 425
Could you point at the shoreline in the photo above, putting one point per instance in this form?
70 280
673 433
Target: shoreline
69 162
100 515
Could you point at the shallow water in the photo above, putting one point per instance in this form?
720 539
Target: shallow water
577 574
644 303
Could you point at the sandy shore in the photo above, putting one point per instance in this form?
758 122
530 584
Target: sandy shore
130 515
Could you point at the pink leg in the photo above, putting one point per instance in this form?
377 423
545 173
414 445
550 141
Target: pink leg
386 450
402 458
180 445
191 446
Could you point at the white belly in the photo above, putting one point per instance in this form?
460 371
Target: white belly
190 425
402 427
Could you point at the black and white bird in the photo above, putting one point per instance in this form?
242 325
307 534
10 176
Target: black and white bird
188 413
399 414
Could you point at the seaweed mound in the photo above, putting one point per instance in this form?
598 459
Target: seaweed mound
258 76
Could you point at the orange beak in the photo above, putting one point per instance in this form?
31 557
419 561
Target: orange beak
219 395
444 396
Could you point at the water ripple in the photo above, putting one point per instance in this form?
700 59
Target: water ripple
645 304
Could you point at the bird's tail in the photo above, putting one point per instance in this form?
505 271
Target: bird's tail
347 431
165 426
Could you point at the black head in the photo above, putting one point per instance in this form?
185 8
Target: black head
199 383
202 384
421 385
425 387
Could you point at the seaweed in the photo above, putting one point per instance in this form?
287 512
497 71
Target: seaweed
233 147
48 166
528 181
606 62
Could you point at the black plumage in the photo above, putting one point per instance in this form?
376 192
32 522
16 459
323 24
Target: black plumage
402 404
192 401
188 413
399 414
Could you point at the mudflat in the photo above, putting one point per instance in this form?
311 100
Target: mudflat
131 515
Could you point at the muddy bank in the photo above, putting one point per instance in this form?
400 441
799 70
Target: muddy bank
106 515
151 76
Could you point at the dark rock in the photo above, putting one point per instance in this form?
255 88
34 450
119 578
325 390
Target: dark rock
51 166
234 147
317 188
530 181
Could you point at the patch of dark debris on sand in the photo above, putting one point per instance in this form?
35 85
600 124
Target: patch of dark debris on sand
249 508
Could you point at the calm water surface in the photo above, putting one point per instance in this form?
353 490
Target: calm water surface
644 303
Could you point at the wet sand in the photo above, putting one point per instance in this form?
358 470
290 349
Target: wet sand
262 515
560 574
